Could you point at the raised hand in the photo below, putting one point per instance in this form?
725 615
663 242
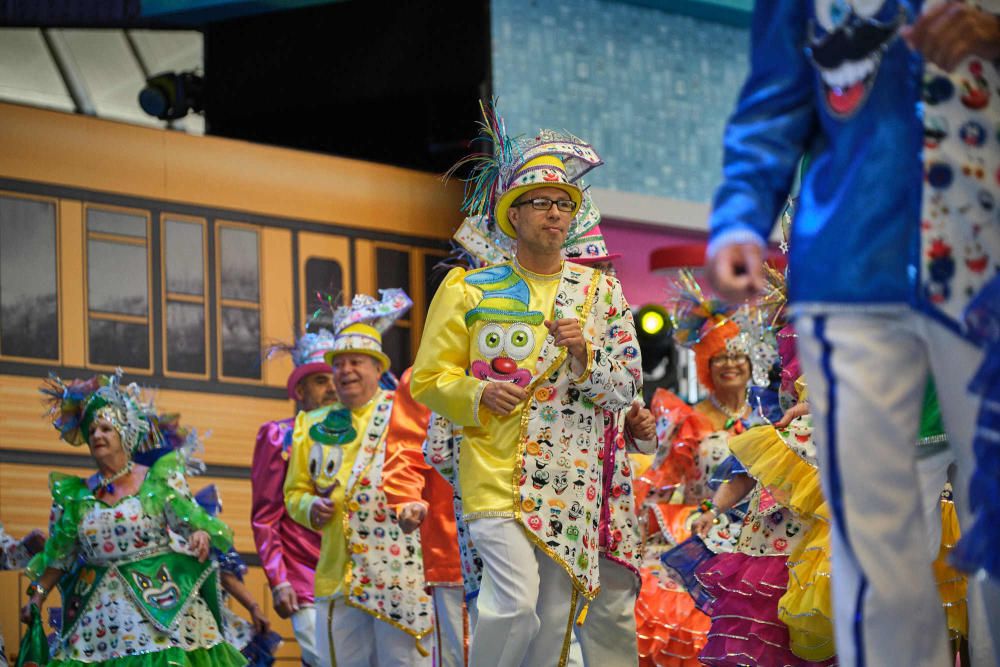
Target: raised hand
568 334
735 272
639 422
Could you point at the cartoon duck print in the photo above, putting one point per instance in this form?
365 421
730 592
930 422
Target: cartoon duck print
975 90
846 43
940 269
976 258
501 326
972 134
977 262
935 131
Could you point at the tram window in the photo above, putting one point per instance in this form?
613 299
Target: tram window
116 278
239 302
241 343
323 276
239 264
29 308
396 344
393 268
114 343
185 337
434 274
116 222
184 298
184 257
118 288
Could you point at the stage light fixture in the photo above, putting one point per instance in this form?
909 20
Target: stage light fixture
171 95
652 320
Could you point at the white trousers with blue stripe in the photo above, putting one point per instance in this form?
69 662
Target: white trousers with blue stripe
866 374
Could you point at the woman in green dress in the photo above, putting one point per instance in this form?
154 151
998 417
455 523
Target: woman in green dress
130 550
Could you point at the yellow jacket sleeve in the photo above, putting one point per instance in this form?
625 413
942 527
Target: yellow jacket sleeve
439 379
298 484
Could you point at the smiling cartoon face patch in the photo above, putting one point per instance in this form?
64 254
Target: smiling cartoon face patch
847 40
324 464
503 331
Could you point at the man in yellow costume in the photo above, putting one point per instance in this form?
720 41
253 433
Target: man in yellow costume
371 607
525 355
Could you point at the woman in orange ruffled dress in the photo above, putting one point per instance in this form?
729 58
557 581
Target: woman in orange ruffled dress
671 630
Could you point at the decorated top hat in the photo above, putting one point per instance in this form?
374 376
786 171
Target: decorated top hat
359 326
514 166
588 248
543 171
309 356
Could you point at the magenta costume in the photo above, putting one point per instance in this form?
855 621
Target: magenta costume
288 551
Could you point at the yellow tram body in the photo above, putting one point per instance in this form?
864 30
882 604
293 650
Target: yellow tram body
167 203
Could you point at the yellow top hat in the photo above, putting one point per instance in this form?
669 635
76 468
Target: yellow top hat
543 171
359 338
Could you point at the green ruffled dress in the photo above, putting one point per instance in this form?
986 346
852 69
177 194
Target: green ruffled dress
132 594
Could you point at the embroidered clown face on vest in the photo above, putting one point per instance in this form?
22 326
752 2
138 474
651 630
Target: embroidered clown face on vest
501 327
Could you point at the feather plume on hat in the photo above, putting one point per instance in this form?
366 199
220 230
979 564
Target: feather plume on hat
489 169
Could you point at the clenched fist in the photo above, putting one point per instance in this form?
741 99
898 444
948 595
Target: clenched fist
321 512
502 397
568 334
640 422
411 516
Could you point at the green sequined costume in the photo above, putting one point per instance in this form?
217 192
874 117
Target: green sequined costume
132 595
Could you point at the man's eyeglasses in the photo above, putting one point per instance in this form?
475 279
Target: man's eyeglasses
545 204
729 360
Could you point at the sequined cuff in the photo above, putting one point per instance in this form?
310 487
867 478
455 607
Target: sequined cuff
590 365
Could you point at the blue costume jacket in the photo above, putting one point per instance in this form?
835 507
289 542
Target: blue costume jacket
900 201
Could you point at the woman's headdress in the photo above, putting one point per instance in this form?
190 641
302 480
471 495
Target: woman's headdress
705 326
74 406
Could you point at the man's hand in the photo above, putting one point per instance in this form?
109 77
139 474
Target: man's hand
639 422
502 397
199 543
34 541
321 512
949 32
736 273
793 412
411 516
286 601
568 334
